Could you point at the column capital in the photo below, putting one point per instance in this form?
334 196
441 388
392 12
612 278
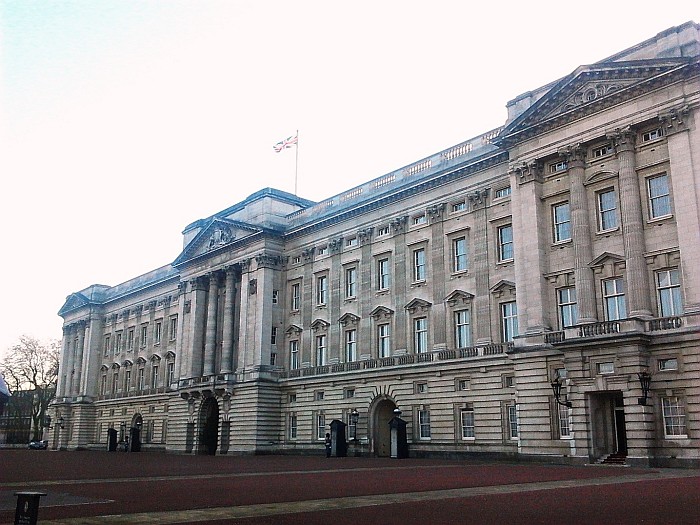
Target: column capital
575 154
527 171
675 120
623 139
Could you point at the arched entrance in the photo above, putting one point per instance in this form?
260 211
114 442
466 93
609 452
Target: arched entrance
208 426
382 412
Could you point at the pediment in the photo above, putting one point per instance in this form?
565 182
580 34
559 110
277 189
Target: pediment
459 297
218 234
589 89
73 302
292 329
417 305
349 319
381 312
605 258
320 324
502 286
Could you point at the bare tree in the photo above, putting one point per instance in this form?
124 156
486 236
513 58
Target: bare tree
33 366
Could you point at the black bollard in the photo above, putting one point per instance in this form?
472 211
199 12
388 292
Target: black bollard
27 511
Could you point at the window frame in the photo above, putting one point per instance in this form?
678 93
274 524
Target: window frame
322 290
460 253
672 421
462 329
614 298
383 340
561 226
652 199
509 320
420 335
675 300
351 282
294 354
604 213
419 264
350 345
506 247
321 349
567 306
383 278
424 431
467 429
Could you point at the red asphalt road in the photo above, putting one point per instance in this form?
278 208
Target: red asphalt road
310 478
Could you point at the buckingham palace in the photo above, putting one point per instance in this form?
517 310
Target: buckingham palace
530 293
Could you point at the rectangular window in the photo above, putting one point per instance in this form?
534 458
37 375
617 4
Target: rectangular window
607 210
505 243
424 424
119 342
384 340
382 231
273 358
513 421
127 380
108 339
614 299
502 192
352 426
296 296
321 290
568 307
652 134
419 265
322 250
275 296
668 364
602 151
606 368
103 385
509 321
674 417
173 328
292 426
421 388
463 384
154 376
352 241
350 345
273 335
319 395
420 335
466 418
158 332
659 196
462 329
296 259
564 421
459 254
141 379
350 282
115 382
293 355
320 350
349 393
459 206
419 219
144 335
171 373
130 340
556 167
562 222
668 291
383 274
320 426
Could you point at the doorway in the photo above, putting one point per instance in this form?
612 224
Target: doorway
609 431
382 413
208 427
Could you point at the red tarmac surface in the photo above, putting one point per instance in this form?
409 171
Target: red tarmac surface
310 490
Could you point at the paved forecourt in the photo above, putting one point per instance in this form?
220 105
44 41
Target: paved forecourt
102 487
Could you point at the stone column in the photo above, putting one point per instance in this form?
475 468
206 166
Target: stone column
210 337
400 284
438 272
197 318
78 357
581 235
530 234
481 314
685 185
65 366
227 337
639 304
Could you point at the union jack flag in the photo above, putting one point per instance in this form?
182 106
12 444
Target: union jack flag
286 143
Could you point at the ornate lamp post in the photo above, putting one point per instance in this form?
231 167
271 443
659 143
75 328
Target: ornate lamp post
645 382
556 388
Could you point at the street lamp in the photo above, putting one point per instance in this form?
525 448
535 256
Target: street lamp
354 417
556 388
645 382
397 412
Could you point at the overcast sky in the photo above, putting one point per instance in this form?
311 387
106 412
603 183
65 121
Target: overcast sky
123 121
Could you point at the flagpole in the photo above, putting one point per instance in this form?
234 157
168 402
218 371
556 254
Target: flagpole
296 165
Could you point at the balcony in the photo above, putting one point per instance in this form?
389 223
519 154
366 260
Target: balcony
397 361
609 328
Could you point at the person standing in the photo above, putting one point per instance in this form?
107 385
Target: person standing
328 445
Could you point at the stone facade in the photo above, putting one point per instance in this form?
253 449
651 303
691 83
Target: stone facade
560 248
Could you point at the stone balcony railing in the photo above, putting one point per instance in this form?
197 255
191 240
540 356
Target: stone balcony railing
399 360
609 328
